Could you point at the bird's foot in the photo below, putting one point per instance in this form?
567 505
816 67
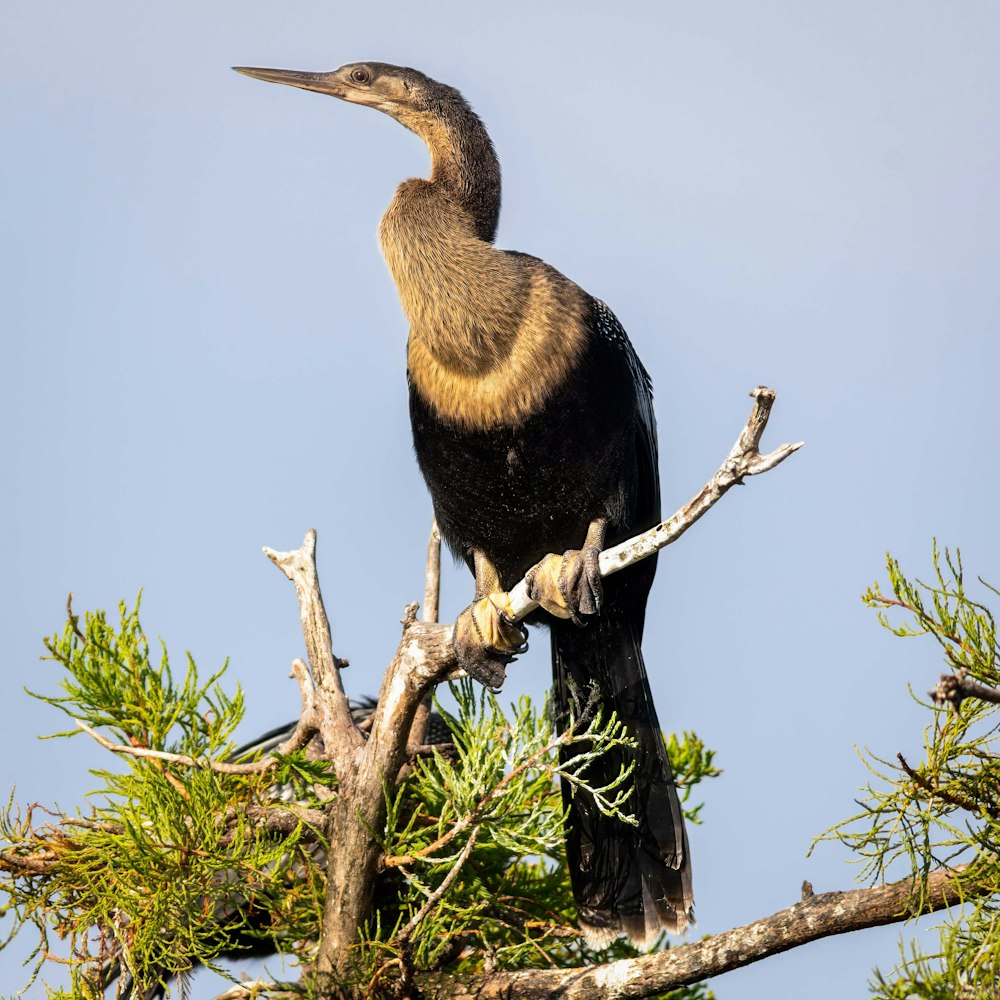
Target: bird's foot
569 585
487 638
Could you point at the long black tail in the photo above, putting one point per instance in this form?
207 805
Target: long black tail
633 880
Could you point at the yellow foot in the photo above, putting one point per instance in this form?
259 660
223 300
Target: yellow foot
487 638
569 585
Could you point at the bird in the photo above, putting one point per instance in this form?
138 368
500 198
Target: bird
533 426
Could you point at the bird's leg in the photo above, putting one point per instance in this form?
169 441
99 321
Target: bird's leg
569 585
486 636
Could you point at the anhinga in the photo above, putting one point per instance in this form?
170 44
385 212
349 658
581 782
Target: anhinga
533 426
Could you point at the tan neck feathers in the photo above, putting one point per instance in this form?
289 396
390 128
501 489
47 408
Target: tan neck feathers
491 333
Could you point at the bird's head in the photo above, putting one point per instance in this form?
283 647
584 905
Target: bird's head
402 93
464 162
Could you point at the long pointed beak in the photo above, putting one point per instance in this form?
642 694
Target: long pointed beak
321 83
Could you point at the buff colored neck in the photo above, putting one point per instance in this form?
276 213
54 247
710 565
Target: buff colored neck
463 160
491 333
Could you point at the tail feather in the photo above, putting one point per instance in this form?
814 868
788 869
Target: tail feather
632 880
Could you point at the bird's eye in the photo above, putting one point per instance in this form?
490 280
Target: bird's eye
360 75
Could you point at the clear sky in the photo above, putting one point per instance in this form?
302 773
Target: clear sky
204 354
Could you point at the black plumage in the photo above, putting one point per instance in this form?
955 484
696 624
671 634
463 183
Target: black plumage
517 493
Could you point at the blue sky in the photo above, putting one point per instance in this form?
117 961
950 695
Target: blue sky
205 355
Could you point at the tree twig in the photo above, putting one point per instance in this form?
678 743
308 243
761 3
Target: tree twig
74 620
744 459
433 899
942 793
429 613
256 990
432 580
470 818
302 735
403 937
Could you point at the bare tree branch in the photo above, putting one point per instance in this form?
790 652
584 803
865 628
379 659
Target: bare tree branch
12 861
812 918
432 582
744 459
340 734
285 818
102 826
258 988
429 613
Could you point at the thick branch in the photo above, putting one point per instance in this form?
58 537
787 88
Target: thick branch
12 861
423 652
744 459
340 735
812 918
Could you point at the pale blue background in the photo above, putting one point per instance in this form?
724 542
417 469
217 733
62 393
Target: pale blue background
203 354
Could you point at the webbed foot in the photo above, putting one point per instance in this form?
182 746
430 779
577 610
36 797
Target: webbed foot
569 585
487 638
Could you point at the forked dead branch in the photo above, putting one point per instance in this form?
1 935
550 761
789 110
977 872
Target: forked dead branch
368 767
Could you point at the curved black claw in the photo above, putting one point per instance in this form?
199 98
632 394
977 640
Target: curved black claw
485 641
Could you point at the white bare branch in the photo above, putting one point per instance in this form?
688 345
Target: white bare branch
335 723
432 583
744 459
257 989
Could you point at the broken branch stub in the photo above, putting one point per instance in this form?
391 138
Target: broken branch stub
334 721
